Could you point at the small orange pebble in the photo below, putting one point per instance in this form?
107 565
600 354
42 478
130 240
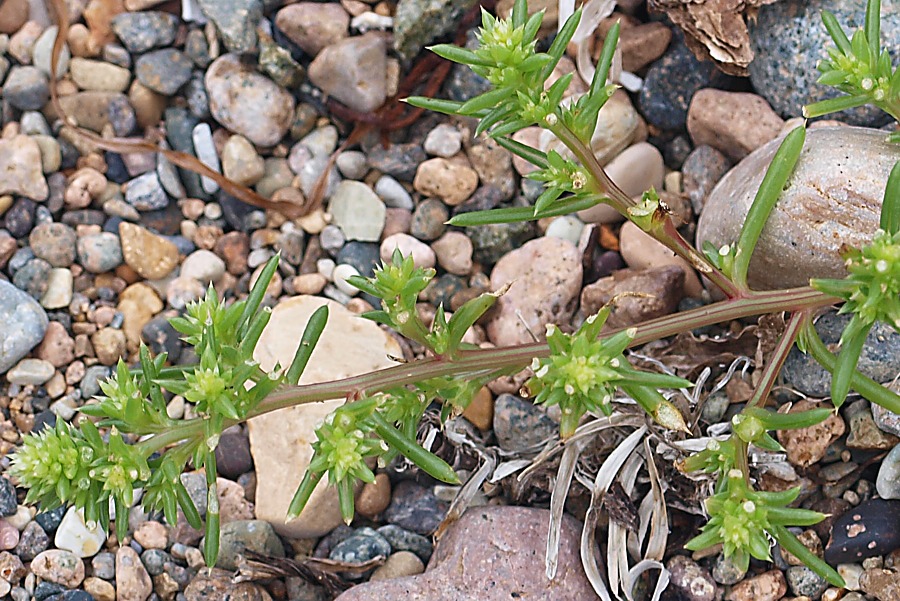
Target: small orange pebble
608 238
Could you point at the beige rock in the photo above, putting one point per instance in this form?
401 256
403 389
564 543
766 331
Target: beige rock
545 278
138 304
642 251
247 102
241 162
481 409
13 14
309 283
61 567
806 446
150 255
57 347
20 164
421 253
454 252
99 75
90 109
132 580
280 441
448 180
398 565
643 44
109 345
313 25
148 105
735 123
618 126
637 169
99 589
833 198
768 586
374 497
152 535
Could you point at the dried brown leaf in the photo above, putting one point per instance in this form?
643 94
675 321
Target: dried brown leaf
715 29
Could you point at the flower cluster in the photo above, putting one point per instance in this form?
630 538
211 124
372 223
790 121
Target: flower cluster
583 372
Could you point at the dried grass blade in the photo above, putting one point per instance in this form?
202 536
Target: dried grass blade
558 502
659 524
466 494
590 551
635 572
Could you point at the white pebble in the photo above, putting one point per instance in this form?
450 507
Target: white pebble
340 274
567 227
326 268
206 152
352 164
443 141
74 535
393 193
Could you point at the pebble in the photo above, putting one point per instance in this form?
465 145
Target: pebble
404 540
59 566
520 425
247 102
545 276
74 535
864 434
358 211
726 571
99 253
399 160
882 584
145 30
414 507
423 256
363 545
152 535
32 277
206 152
239 535
444 141
635 170
26 88
352 164
888 481
99 75
803 236
806 446
204 266
429 220
768 586
236 21
689 579
32 542
353 71
22 325
233 454
151 256
393 193
313 25
30 372
99 589
641 251
735 123
670 84
453 251
880 357
51 156
868 530
341 274
567 227
20 163
451 181
502 566
109 345
53 242
787 77
636 295
374 496
398 565
802 581
701 170
8 505
282 438
241 162
60 283
132 580
13 15
146 193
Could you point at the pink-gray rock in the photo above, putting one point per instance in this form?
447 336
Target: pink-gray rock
735 123
545 276
132 580
833 198
247 102
353 71
492 554
639 294
61 567
313 25
20 164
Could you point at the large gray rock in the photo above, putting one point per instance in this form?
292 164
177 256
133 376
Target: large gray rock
353 71
789 39
833 198
22 325
417 23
